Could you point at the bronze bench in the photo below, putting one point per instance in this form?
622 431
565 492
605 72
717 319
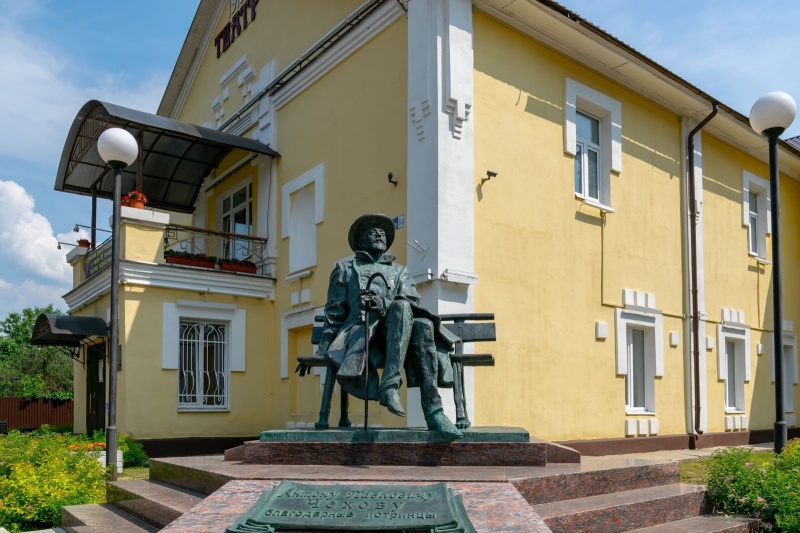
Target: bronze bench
468 327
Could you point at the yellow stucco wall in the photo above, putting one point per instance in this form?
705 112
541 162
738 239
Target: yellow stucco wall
357 131
735 280
550 266
266 38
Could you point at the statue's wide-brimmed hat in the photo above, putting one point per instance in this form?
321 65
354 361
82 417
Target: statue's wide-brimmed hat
371 220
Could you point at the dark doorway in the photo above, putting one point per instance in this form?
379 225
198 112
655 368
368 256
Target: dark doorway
95 387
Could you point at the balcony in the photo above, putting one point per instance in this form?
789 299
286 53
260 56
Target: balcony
157 254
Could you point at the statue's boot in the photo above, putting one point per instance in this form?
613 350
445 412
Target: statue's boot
390 399
398 332
438 421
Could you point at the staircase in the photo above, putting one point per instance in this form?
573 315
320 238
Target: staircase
636 498
599 495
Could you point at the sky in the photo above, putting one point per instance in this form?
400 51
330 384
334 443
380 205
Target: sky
56 55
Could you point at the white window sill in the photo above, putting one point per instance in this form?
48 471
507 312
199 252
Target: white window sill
734 412
203 410
639 412
759 259
594 203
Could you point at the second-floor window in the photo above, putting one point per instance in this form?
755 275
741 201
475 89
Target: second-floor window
588 156
237 217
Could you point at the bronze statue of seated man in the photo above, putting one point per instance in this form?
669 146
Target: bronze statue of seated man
403 335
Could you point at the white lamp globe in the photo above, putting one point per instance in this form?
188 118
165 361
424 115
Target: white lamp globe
773 110
117 145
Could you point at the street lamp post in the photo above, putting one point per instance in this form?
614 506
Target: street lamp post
770 116
118 148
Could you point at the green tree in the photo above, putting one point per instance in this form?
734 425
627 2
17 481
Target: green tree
31 371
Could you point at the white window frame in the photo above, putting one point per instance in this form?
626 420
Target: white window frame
760 187
173 313
247 185
740 335
608 111
652 322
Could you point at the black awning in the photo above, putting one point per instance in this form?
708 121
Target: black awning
66 330
175 156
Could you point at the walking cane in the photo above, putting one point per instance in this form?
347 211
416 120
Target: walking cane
366 345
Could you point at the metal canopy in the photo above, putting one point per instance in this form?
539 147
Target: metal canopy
66 330
174 157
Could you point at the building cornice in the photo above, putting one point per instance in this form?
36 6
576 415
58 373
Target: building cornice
143 274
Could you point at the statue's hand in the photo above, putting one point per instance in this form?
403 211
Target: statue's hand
370 300
302 369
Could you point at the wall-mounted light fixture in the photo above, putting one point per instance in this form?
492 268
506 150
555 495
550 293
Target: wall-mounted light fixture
391 179
489 175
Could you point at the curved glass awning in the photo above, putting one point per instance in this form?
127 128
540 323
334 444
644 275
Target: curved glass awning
174 158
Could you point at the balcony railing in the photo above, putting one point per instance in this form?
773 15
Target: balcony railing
198 242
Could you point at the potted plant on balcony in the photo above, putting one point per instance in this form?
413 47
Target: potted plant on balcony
84 243
237 265
135 199
176 257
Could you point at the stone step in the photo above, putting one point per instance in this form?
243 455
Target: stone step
556 485
154 502
197 479
706 524
101 518
625 511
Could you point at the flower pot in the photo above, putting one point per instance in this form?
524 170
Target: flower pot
137 204
248 269
84 243
189 261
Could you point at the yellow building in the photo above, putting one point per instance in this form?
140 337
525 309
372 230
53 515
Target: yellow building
536 168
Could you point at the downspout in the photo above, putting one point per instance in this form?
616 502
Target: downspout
695 311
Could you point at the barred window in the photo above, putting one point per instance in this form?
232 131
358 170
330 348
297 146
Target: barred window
203 366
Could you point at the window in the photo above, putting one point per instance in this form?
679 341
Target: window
639 351
789 381
237 217
734 382
302 231
733 361
203 365
302 209
755 213
587 157
204 342
593 136
636 381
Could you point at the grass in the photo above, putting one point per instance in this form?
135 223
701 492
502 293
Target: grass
135 472
695 471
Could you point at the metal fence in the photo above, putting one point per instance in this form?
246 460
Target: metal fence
30 414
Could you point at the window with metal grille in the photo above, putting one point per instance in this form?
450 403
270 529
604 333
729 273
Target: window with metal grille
203 366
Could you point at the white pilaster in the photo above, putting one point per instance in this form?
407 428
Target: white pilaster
440 218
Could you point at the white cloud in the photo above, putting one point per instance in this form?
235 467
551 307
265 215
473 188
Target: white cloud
47 95
16 297
26 237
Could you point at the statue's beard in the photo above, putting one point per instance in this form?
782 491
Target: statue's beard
377 247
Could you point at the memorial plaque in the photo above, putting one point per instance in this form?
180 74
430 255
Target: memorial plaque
337 507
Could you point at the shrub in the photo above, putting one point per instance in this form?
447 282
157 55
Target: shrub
133 453
759 485
39 475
